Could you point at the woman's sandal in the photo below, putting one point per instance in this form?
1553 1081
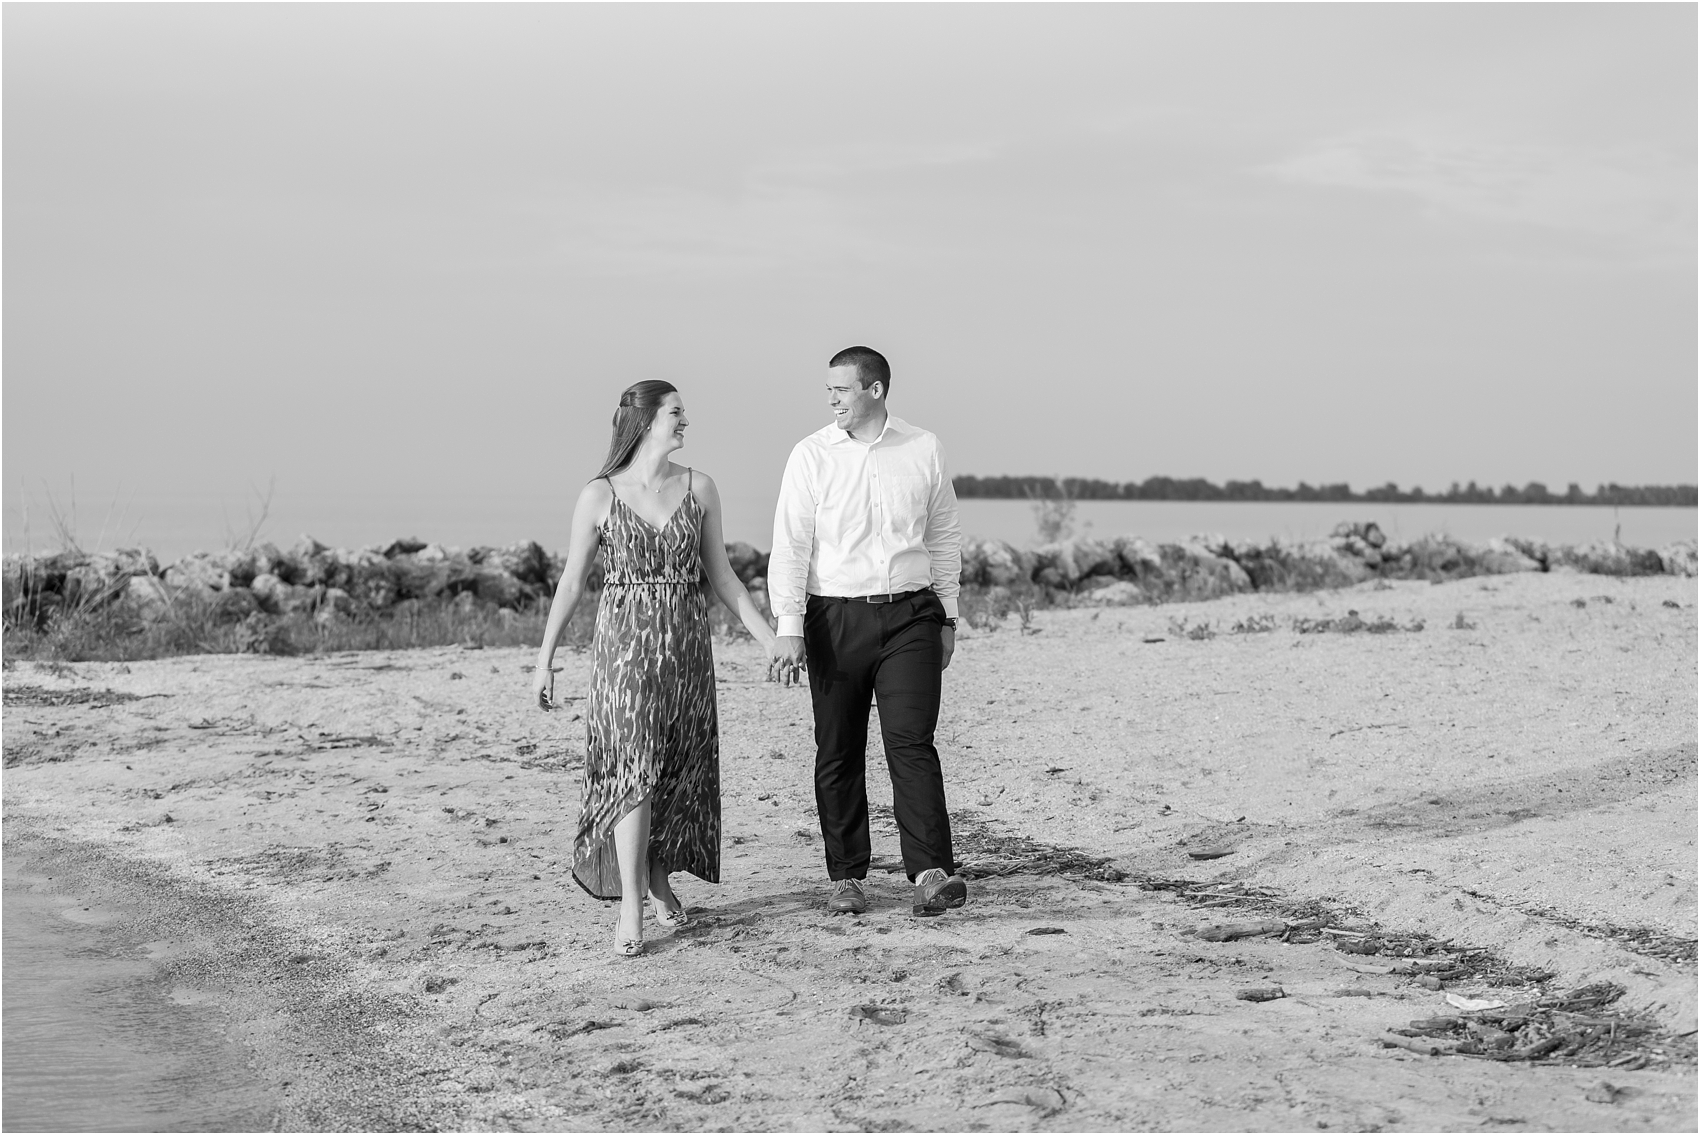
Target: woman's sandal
673 919
628 947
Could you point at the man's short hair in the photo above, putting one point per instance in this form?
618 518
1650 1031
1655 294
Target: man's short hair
870 365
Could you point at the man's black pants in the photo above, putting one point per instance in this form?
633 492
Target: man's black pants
858 651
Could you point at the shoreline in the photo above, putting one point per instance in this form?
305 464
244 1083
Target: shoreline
399 821
103 1033
294 1056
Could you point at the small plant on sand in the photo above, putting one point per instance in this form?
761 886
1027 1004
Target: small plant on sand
985 606
1024 608
1353 623
1197 632
1255 624
1460 623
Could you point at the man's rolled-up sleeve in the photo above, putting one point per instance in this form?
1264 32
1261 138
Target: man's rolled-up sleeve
793 543
943 537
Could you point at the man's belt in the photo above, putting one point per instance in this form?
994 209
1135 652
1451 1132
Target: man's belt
884 597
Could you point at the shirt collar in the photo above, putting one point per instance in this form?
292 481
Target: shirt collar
893 425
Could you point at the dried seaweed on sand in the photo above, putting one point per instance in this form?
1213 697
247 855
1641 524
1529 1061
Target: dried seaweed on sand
1578 1028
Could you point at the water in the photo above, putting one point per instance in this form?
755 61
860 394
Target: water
1170 521
95 1039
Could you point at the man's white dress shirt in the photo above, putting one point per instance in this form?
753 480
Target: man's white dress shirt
864 518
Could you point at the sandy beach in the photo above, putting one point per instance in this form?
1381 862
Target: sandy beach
361 860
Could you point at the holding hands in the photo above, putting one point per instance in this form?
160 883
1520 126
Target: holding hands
785 661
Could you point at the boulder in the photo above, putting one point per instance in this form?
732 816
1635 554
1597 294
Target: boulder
1139 559
1536 550
1254 560
1604 557
972 570
1359 546
417 578
359 559
267 559
282 598
406 546
234 604
376 583
1678 559
1308 566
133 561
343 567
435 553
45 575
1196 572
96 582
1368 533
240 566
525 561
494 586
14 596
267 588
747 563
199 572
1084 557
1213 542
1438 557
1046 567
1110 593
1500 557
310 564
148 596
995 563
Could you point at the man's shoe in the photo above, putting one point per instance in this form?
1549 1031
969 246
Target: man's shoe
936 892
847 897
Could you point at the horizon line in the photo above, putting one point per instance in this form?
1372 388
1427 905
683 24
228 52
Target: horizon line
971 486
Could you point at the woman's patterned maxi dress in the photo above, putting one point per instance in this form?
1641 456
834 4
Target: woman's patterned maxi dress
651 721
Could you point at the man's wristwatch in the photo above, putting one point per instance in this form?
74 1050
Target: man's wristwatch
951 623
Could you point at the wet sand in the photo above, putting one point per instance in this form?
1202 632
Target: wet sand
95 1040
368 854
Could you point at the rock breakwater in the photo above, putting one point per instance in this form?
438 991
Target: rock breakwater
307 579
326 584
1129 569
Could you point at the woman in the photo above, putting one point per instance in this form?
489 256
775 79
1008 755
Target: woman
652 756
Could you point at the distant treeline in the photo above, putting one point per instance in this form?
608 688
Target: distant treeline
1198 489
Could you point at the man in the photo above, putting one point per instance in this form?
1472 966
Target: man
863 581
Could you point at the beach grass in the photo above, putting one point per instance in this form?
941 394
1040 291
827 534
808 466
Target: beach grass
197 625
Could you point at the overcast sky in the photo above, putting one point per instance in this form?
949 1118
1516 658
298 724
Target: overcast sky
402 259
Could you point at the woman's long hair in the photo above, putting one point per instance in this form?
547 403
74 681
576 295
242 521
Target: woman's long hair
638 404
